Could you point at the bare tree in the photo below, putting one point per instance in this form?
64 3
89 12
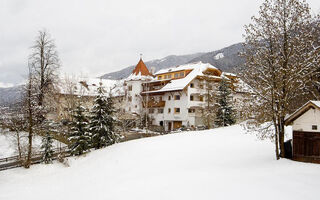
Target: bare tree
30 111
44 63
280 56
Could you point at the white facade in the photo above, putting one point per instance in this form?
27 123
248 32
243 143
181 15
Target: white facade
133 97
309 121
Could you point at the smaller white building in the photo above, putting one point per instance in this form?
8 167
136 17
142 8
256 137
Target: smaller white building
306 118
305 123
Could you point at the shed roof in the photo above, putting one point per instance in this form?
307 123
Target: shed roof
300 111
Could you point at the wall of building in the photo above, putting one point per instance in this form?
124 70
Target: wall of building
307 120
134 105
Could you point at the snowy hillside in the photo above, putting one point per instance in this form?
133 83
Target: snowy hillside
222 163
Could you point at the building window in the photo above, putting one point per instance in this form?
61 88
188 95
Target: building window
129 98
159 77
191 110
191 85
169 98
160 110
169 110
191 98
201 86
201 98
169 76
314 127
176 75
177 97
181 74
130 87
176 110
165 76
151 110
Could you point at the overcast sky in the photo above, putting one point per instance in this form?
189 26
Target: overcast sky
94 37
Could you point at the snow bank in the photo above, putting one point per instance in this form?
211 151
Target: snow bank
222 163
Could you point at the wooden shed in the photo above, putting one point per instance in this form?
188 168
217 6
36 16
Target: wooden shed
305 123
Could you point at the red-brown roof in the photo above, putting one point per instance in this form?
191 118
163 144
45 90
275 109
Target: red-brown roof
141 67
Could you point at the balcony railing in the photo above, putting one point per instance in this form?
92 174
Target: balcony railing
156 104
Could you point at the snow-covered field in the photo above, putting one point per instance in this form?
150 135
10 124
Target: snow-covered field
222 163
8 143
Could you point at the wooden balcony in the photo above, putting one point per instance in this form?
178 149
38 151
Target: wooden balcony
156 104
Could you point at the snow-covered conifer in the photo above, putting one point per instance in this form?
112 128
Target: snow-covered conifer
47 148
101 120
225 112
79 138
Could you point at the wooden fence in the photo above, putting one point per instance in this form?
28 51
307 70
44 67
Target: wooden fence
17 161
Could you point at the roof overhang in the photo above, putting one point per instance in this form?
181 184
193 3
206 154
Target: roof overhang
300 111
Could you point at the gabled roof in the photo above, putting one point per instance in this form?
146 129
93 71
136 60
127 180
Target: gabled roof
300 111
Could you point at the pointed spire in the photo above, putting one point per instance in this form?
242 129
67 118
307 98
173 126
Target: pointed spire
141 68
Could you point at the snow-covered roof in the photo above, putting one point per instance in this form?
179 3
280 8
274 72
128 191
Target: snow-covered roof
180 84
189 66
88 86
197 69
289 118
138 76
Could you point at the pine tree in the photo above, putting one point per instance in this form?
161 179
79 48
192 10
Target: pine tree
225 112
79 137
101 121
47 148
113 137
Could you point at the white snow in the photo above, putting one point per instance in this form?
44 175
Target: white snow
8 143
6 85
222 163
218 56
138 76
76 86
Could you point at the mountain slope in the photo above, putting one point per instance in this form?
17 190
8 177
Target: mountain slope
11 95
223 163
226 59
168 61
